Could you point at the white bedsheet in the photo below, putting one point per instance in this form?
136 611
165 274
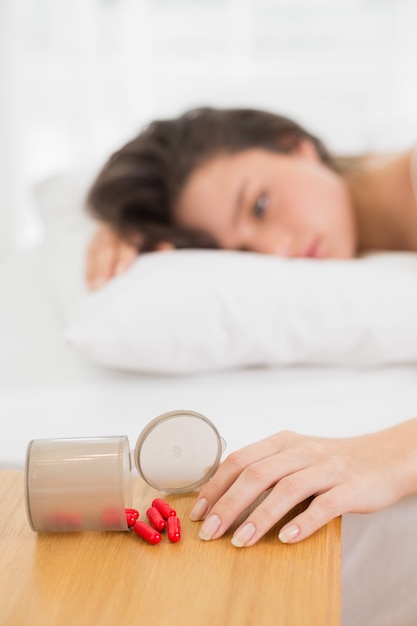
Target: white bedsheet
47 390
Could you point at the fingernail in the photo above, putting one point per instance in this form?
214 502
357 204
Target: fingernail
199 510
243 535
97 283
289 533
210 527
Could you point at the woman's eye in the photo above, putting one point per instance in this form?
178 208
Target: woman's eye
260 206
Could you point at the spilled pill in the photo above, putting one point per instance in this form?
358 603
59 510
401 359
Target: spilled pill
131 516
147 532
156 519
163 507
64 521
174 528
111 518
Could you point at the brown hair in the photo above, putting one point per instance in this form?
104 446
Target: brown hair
137 188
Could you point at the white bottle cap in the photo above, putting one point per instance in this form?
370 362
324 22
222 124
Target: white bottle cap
178 451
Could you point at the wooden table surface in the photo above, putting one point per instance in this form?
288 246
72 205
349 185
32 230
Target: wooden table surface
104 579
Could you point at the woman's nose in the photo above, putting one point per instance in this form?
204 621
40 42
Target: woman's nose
283 246
278 244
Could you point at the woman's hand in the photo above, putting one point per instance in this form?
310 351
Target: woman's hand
108 255
360 474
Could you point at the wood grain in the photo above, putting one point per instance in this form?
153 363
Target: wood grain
83 579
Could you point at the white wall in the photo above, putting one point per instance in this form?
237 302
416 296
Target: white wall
79 78
11 144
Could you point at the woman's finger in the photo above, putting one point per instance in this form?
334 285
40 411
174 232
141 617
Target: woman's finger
321 511
101 257
107 256
230 469
125 256
164 246
287 493
292 485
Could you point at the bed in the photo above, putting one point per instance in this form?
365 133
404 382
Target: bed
51 388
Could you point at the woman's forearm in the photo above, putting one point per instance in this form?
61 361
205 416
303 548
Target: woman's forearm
398 444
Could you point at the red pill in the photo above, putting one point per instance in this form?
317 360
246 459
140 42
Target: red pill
147 532
131 516
174 528
163 507
156 519
63 521
111 518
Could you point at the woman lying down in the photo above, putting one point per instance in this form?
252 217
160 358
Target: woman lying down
256 181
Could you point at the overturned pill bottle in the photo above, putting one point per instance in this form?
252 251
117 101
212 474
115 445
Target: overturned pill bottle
80 484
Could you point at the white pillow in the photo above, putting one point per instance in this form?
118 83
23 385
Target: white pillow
191 311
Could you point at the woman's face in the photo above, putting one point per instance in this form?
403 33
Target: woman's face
290 205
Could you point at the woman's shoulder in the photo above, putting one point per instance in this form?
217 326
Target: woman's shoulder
407 158
380 159
413 169
367 161
390 168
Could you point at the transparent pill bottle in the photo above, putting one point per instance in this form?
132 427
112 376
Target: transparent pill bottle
81 484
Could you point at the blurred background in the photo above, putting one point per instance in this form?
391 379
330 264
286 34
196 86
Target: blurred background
79 78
